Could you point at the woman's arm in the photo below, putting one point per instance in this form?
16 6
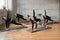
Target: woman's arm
4 18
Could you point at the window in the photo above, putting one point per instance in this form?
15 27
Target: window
1 4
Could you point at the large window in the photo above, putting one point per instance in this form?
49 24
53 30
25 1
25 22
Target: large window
1 4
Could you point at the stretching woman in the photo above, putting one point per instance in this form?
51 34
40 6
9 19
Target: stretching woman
9 20
33 22
47 18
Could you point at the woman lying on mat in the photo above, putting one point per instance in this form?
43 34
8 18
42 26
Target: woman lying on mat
10 20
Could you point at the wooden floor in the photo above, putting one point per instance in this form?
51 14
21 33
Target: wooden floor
21 34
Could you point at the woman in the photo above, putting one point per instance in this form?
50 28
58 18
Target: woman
10 20
47 18
32 22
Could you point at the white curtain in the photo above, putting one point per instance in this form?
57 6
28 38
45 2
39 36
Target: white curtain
8 4
1 4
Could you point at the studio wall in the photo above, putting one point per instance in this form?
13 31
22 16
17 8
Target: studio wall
25 7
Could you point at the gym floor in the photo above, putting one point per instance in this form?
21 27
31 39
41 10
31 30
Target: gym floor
53 33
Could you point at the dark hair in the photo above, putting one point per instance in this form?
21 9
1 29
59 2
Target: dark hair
28 15
43 16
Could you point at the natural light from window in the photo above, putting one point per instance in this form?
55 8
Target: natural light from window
1 4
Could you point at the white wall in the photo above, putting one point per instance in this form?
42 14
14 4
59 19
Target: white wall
26 6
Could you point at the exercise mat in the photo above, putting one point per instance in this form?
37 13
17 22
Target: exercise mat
38 29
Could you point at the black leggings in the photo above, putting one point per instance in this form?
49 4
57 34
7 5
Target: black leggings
16 23
48 20
38 20
13 21
7 24
33 25
20 17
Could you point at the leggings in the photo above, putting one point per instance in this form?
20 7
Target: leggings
13 21
16 23
33 25
7 24
49 20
